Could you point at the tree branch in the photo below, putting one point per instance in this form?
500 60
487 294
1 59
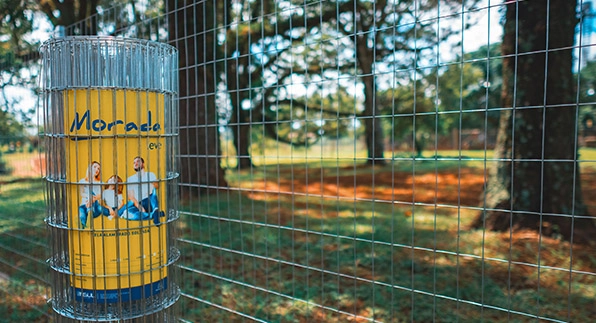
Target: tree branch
271 132
48 7
305 106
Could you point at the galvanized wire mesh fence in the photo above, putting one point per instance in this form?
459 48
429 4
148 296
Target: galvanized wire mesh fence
381 161
23 283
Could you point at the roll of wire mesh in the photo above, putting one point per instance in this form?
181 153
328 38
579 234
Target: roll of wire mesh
110 135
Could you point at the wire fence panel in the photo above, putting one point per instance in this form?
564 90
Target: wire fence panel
365 177
24 284
387 161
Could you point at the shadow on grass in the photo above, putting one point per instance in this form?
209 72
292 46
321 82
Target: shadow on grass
308 257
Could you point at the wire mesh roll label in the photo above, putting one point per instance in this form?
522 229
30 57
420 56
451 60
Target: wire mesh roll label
117 198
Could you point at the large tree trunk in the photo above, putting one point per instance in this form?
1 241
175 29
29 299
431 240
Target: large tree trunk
536 184
79 16
375 139
190 30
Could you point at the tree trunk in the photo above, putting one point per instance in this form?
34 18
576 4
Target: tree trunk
238 87
375 140
536 184
200 167
79 16
241 132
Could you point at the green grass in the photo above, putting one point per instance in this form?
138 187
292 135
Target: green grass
23 302
23 250
313 252
332 155
356 257
348 250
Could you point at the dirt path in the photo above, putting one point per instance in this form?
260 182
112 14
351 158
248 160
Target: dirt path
28 167
443 188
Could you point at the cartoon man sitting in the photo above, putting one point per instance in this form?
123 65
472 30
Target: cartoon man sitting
142 194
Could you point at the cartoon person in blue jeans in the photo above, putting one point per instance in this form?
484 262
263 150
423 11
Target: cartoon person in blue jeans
142 194
90 192
112 198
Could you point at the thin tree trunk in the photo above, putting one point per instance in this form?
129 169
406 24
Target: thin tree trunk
238 87
241 132
536 184
375 139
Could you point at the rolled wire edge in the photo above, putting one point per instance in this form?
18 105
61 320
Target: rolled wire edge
173 256
157 303
108 39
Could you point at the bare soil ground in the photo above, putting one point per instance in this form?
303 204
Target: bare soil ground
30 166
463 188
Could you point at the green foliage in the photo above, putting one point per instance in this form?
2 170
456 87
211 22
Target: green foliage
4 169
307 119
315 48
10 127
410 105
16 22
587 82
462 95
587 96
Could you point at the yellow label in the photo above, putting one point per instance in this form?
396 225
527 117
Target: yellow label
116 164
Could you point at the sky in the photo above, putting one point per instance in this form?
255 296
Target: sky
487 29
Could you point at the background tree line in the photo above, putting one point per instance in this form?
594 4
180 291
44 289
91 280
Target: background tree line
296 71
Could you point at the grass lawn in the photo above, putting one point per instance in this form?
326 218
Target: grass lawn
330 240
336 243
23 251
